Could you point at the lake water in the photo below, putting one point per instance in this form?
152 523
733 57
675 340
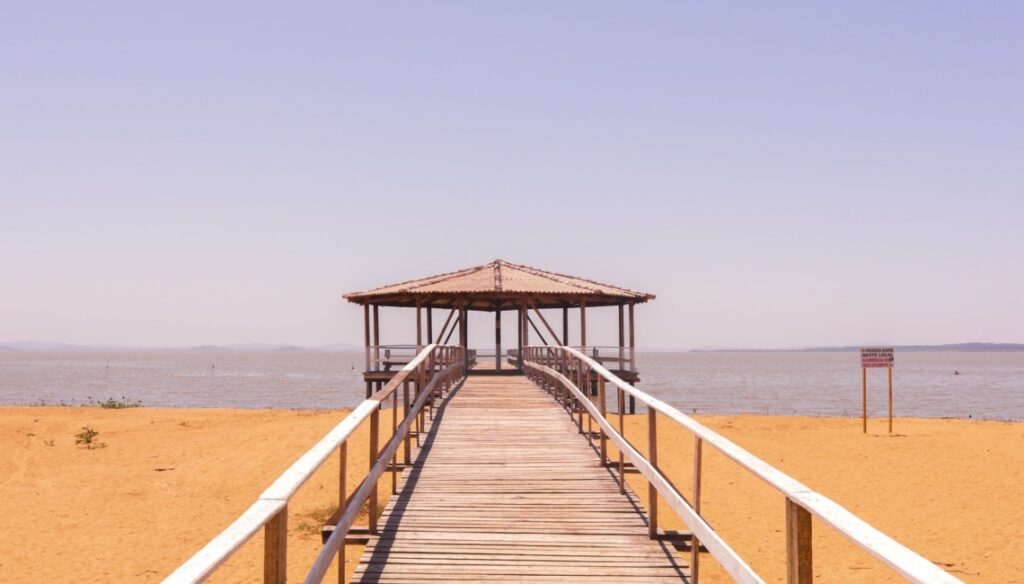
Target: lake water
990 385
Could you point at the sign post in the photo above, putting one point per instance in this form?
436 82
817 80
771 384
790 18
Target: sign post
871 357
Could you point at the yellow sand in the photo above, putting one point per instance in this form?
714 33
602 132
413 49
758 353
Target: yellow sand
952 490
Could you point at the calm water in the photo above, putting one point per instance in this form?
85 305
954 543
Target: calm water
991 385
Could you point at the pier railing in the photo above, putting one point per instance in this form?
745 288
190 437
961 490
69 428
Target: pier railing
435 369
570 375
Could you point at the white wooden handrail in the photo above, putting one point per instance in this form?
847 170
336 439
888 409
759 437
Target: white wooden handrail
729 559
337 538
274 500
903 560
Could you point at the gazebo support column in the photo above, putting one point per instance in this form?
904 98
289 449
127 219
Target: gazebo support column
419 325
622 338
366 340
519 337
565 326
632 354
430 324
583 326
464 335
497 340
376 342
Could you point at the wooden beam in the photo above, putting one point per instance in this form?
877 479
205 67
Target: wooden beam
536 330
444 328
554 337
456 324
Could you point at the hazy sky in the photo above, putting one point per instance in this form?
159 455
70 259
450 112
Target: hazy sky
780 174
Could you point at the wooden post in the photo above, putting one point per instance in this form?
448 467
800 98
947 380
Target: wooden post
519 337
864 394
419 326
526 326
405 414
565 326
632 353
374 438
376 338
632 339
603 408
652 456
497 340
698 445
275 548
890 400
430 324
622 459
583 326
622 338
366 334
394 428
342 499
799 567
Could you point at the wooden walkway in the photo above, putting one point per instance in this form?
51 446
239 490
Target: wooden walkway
505 488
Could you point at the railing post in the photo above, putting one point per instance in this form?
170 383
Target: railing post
342 500
622 458
394 432
275 548
421 416
799 568
579 404
374 437
407 453
652 456
698 447
603 408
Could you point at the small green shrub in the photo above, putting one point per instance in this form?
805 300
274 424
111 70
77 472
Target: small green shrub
87 437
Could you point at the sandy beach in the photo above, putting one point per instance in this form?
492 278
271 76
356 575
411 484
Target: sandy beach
170 479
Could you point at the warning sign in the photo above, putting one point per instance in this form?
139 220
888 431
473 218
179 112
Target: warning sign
877 357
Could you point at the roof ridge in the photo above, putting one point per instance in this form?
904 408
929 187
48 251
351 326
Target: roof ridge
555 276
425 281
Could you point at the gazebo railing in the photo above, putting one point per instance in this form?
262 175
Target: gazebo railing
564 371
434 370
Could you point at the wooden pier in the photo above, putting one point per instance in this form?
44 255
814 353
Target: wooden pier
505 488
514 478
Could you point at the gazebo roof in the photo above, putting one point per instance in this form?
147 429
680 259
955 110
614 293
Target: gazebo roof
499 285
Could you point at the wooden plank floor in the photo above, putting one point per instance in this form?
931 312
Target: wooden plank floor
505 488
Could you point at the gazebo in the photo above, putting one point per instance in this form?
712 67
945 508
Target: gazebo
497 287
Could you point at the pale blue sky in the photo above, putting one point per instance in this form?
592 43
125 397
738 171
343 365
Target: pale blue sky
780 174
